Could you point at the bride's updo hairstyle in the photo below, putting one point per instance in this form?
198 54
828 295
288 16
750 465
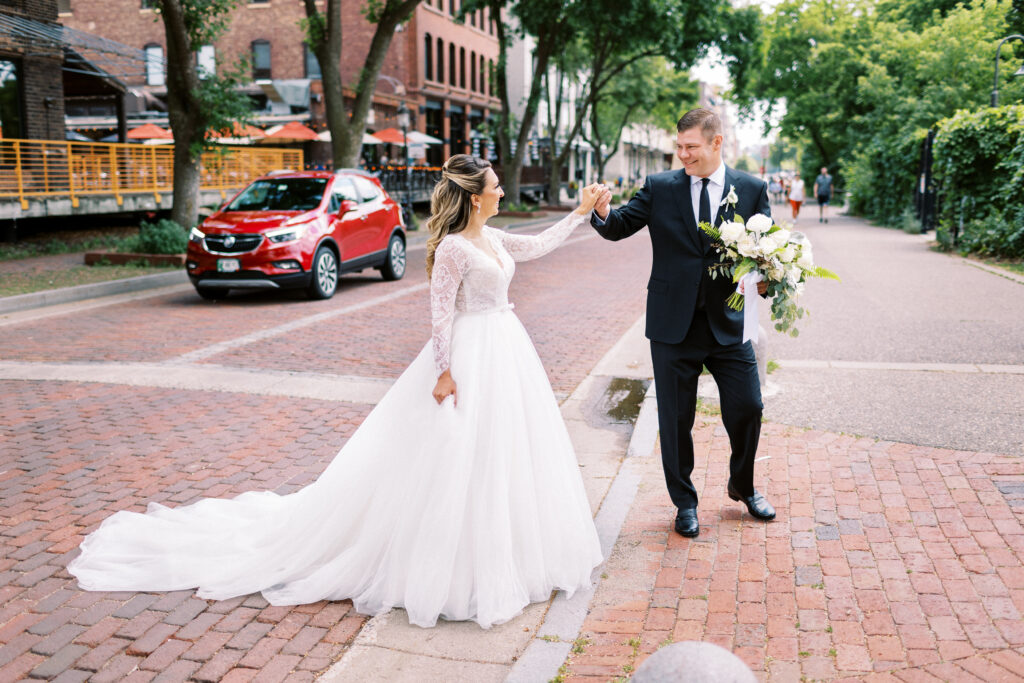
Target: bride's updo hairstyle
462 176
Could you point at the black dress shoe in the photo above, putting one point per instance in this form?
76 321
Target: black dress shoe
756 504
686 522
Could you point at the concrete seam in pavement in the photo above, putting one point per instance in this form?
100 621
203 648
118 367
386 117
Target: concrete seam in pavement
995 271
63 295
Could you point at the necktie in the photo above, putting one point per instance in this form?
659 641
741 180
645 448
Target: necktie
705 202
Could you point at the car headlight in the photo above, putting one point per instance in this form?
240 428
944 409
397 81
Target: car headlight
291 234
196 235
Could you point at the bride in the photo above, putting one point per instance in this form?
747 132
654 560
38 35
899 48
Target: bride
463 502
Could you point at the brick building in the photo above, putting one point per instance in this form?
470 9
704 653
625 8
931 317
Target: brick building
444 66
31 89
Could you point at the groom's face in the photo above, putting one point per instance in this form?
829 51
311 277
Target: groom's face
701 157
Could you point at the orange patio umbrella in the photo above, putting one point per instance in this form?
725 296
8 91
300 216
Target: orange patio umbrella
149 131
293 131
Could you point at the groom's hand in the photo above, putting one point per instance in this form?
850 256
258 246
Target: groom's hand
603 204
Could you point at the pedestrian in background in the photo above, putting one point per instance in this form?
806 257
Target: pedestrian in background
797 195
775 187
823 192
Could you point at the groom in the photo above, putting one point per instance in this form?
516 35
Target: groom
688 322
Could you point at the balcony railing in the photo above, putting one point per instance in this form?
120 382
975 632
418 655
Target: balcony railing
52 169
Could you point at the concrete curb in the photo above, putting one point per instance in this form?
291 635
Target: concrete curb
64 295
52 297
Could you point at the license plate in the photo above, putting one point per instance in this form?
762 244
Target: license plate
227 265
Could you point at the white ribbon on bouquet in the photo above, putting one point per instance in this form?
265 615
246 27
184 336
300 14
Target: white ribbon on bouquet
748 288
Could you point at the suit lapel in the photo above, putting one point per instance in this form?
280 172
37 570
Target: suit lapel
684 204
726 211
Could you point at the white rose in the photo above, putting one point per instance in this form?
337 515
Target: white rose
731 232
806 260
766 245
731 197
747 246
787 254
759 223
775 274
781 237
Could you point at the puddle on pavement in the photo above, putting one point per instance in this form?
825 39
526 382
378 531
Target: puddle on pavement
622 399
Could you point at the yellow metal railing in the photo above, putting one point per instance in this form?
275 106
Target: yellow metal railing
55 169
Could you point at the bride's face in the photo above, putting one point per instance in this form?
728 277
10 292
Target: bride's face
491 196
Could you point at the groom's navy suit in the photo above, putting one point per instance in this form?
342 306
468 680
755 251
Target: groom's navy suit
688 331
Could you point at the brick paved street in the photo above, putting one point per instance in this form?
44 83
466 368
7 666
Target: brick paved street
73 453
884 557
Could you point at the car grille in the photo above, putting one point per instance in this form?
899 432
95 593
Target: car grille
232 244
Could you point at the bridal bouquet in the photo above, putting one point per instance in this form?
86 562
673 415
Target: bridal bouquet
757 249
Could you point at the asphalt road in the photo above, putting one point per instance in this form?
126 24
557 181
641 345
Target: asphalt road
954 331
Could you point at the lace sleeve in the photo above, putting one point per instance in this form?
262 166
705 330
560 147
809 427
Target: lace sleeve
450 264
526 247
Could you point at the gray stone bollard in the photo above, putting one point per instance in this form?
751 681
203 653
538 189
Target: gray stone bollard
761 354
693 662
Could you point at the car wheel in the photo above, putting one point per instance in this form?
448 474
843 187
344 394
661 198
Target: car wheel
394 266
325 274
212 293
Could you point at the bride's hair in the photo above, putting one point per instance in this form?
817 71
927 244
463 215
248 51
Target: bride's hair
451 204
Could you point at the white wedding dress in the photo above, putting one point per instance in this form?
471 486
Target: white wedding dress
466 512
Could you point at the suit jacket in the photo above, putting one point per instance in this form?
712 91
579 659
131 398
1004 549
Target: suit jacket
682 253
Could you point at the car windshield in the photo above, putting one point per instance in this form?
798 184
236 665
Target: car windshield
283 194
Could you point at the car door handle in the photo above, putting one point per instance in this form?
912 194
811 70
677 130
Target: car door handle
362 216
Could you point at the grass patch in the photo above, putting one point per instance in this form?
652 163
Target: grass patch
705 408
51 247
28 282
1012 266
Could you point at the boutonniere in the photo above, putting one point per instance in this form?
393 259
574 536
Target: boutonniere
731 198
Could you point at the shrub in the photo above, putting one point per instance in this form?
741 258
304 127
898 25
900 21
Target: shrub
979 156
163 237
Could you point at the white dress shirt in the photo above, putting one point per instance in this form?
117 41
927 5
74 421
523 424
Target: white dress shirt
716 190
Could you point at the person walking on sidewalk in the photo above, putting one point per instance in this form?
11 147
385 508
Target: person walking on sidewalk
823 193
797 195
459 496
688 321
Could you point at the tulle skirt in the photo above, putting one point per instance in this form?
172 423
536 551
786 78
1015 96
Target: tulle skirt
466 512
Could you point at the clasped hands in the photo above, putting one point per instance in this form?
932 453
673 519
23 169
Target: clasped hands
595 197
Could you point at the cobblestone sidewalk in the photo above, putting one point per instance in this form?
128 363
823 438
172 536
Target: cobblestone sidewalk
886 562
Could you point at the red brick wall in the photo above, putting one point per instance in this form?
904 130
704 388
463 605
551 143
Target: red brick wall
41 82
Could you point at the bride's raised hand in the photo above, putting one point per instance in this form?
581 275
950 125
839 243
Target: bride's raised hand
444 388
588 198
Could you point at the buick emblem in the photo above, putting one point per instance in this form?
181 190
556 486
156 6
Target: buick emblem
229 241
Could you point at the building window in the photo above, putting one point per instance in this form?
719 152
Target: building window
428 57
148 4
10 99
154 64
483 88
462 67
451 64
206 61
440 61
260 60
490 78
63 6
451 7
472 18
472 71
312 65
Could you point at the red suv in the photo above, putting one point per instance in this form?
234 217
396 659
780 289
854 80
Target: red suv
298 230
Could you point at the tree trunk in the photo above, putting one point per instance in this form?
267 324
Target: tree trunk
184 114
346 130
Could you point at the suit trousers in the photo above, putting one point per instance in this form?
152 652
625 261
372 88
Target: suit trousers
676 369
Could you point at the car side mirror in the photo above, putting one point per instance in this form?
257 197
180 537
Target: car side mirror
346 206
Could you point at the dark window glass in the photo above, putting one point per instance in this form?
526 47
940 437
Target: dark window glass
10 99
451 64
260 59
312 66
283 194
148 4
472 71
428 57
64 6
483 70
462 67
440 61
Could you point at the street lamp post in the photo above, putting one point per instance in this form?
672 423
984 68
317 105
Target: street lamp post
995 81
403 123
